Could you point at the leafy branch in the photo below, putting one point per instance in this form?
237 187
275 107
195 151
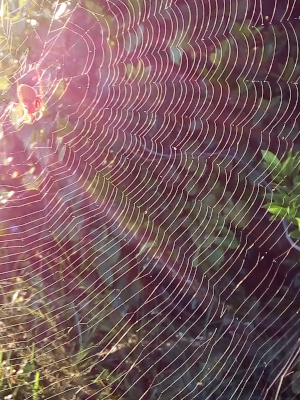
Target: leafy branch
284 200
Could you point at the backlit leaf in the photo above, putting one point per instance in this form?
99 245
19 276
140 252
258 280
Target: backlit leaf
272 162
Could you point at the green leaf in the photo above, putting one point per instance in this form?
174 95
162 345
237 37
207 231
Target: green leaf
272 162
29 367
296 170
81 355
277 210
278 198
295 234
298 222
292 211
288 165
283 189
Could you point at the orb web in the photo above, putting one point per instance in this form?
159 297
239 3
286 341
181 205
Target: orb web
138 257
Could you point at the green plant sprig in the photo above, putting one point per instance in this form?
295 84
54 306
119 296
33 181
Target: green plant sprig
284 201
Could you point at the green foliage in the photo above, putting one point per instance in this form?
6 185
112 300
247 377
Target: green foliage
284 201
18 379
36 369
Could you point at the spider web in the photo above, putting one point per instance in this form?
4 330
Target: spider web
137 260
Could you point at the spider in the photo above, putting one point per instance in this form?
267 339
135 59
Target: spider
30 107
31 103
